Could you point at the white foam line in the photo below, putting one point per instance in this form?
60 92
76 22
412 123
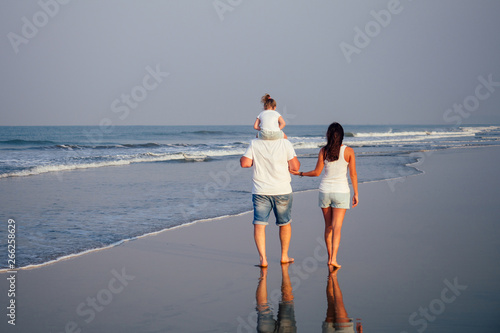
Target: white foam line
153 157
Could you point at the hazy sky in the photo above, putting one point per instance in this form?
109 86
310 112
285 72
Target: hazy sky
187 62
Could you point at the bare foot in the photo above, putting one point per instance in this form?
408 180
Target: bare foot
333 271
287 260
334 264
263 263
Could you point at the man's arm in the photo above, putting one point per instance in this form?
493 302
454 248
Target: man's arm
294 164
246 162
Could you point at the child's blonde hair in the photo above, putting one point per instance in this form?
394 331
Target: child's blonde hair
268 102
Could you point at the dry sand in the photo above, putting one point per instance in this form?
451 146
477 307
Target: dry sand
418 254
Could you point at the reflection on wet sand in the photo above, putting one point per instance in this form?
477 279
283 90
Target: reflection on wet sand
337 319
286 315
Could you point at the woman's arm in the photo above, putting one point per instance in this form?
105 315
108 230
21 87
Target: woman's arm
317 171
351 159
256 125
281 122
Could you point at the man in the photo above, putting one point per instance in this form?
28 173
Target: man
271 161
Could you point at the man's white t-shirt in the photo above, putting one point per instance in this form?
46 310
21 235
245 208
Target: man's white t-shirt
270 166
269 120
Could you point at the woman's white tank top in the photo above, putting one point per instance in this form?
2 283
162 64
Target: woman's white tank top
335 175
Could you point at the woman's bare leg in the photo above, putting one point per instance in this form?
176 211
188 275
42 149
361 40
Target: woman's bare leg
327 214
337 220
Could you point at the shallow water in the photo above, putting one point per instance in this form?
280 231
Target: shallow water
72 189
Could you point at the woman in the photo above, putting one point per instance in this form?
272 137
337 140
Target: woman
334 192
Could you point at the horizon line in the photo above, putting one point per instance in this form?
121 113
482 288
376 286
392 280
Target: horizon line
344 124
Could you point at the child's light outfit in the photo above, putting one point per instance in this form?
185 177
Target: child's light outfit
269 126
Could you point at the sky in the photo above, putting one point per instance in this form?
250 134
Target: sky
193 62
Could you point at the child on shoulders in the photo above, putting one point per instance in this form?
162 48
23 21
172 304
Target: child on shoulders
269 122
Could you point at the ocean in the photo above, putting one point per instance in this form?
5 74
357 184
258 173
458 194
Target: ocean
72 189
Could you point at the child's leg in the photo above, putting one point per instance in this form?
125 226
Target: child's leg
271 135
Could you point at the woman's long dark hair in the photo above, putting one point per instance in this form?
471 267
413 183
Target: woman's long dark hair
334 138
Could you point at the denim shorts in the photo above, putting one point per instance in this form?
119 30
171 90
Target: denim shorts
335 200
281 205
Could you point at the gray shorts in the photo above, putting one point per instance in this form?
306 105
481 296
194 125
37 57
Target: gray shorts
335 200
271 135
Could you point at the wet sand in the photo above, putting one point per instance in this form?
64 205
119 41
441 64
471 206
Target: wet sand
418 254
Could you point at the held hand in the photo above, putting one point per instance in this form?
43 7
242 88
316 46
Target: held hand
293 172
355 200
